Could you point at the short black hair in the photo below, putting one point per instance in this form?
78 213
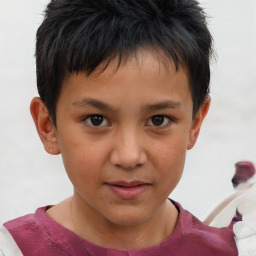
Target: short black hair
79 35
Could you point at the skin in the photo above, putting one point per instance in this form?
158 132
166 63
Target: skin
131 144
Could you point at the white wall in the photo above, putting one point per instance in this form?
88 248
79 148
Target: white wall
30 178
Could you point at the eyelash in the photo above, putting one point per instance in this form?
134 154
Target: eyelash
85 119
167 121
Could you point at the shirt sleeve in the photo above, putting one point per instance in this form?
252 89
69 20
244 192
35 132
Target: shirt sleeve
245 230
245 234
8 247
247 246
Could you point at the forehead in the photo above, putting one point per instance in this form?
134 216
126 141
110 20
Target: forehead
145 76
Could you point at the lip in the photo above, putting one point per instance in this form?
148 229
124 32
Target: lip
128 190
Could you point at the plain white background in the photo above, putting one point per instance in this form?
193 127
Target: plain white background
30 178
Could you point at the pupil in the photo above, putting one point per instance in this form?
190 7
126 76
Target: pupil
157 120
96 120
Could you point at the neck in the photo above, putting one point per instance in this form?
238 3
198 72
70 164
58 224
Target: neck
102 232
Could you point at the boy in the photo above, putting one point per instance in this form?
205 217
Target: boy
123 91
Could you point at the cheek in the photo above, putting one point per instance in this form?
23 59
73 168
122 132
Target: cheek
83 161
169 160
171 150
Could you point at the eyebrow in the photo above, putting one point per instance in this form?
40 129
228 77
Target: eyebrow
94 103
104 106
163 105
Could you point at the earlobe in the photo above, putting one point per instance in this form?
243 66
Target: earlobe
197 122
44 125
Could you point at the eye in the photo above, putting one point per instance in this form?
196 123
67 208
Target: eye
96 121
159 121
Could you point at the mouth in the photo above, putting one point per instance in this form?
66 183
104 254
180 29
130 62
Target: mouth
128 190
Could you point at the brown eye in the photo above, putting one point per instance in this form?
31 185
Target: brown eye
96 120
159 121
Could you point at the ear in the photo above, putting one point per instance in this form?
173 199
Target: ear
197 122
44 125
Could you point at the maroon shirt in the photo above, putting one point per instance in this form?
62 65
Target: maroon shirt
39 235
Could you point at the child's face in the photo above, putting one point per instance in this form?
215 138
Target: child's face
123 136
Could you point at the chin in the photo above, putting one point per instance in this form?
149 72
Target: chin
128 218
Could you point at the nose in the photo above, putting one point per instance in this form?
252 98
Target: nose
128 151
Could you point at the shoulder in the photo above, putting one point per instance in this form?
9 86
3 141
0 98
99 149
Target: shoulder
243 205
26 236
23 231
204 239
